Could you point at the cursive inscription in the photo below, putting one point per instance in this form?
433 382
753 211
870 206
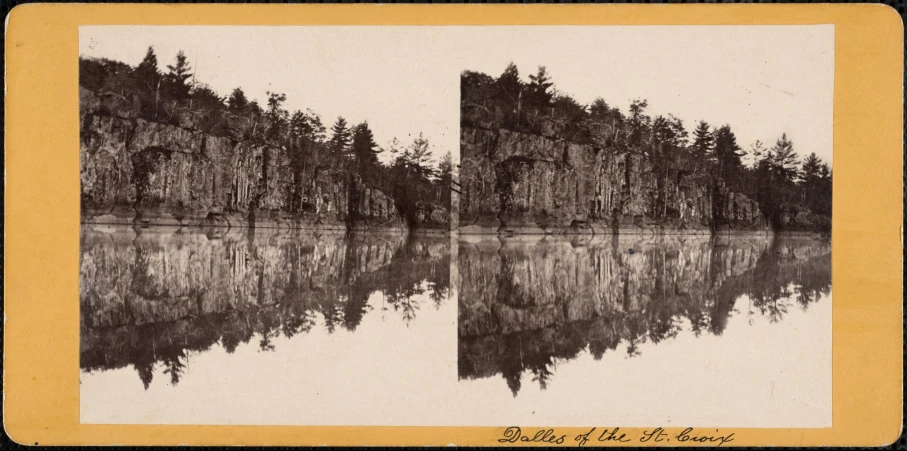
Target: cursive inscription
606 435
514 434
689 436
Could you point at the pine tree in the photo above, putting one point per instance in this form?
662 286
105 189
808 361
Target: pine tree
445 177
638 117
147 71
307 125
237 102
680 134
276 116
365 151
509 94
727 153
509 82
204 98
419 156
178 77
825 172
149 80
703 141
339 144
785 159
599 110
810 171
756 153
539 86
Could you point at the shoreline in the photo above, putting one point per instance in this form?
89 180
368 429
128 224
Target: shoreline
639 232
113 227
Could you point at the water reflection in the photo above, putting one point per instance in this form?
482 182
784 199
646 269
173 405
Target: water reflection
151 297
527 303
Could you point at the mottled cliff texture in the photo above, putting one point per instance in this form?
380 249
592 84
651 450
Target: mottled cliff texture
149 296
150 173
531 183
525 301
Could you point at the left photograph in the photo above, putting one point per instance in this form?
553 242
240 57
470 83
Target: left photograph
265 225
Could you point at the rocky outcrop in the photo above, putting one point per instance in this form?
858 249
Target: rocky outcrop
431 217
149 295
526 183
801 219
526 301
152 173
371 209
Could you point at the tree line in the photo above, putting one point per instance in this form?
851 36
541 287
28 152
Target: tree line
409 174
775 176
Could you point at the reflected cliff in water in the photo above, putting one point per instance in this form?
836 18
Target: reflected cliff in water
527 304
150 297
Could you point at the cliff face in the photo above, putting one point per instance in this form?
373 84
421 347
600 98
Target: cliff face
525 301
134 170
527 183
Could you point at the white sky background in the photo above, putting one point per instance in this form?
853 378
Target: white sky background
762 80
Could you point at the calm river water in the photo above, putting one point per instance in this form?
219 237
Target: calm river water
266 327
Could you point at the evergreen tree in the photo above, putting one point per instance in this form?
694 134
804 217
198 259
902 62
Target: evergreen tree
810 172
419 157
539 88
727 153
756 153
599 110
784 159
638 117
339 144
679 132
276 116
147 71
566 109
639 121
509 95
178 77
703 141
149 80
237 102
204 98
445 177
825 172
255 109
509 84
365 151
307 125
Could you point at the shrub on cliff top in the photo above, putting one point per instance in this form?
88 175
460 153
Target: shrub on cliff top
537 107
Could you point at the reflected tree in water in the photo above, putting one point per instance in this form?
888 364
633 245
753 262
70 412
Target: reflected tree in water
174 366
519 314
150 297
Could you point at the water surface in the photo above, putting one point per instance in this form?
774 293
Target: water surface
265 327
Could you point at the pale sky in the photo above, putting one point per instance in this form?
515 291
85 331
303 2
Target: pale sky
762 80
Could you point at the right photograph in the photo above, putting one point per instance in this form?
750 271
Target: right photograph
646 223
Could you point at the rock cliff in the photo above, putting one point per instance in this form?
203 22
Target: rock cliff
527 183
150 173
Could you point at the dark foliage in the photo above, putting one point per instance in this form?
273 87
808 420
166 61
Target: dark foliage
173 96
774 177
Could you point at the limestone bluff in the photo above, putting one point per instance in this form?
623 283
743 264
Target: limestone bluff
137 171
526 183
534 160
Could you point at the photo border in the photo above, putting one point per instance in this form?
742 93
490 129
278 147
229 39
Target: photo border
41 325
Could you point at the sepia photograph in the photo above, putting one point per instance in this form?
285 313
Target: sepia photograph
456 226
266 226
644 225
